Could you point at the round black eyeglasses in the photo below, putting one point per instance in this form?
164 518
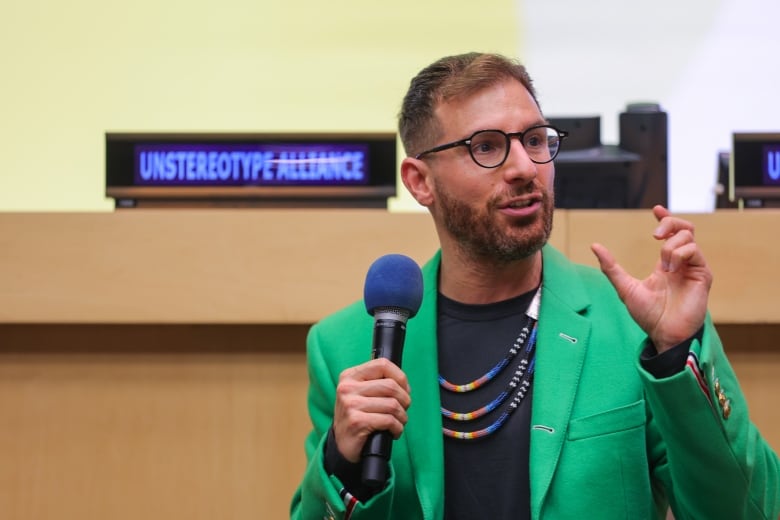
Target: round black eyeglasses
490 148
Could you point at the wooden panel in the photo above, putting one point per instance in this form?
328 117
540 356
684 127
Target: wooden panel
198 266
753 352
295 266
197 422
119 434
757 373
740 246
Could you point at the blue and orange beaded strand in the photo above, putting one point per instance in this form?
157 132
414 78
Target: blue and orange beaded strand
493 372
521 380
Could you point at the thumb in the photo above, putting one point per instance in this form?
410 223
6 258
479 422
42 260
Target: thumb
619 278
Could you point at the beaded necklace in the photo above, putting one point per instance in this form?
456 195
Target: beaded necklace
520 382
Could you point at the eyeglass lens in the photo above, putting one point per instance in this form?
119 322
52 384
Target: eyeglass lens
490 148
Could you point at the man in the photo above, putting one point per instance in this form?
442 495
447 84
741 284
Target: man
531 387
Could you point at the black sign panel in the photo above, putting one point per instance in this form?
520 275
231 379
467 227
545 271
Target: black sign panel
323 170
755 167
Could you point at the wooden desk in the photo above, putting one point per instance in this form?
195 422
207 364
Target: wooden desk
295 266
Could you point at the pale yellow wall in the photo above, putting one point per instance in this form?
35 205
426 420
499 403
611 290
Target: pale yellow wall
73 70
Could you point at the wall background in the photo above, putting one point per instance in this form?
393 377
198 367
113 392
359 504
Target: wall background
711 64
73 71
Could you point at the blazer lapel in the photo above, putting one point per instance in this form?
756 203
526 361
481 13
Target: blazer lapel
423 432
562 342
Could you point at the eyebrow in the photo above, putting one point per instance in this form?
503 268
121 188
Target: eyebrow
538 122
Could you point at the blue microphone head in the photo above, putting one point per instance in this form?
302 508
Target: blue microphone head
393 281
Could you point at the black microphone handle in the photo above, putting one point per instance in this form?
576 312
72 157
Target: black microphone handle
389 335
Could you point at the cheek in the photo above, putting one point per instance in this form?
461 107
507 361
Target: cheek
546 176
476 195
464 185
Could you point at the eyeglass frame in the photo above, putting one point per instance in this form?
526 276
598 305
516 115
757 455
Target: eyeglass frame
562 134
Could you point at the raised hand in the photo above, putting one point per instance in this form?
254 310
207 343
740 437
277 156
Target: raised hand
671 303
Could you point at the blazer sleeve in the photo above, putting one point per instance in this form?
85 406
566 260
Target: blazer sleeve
709 457
320 495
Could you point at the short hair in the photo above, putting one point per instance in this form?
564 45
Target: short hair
446 79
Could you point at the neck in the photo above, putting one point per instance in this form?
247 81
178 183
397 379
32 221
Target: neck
477 281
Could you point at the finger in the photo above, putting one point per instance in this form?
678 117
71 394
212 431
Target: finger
386 407
614 272
687 255
670 258
363 407
351 427
379 368
660 212
358 384
668 225
381 388
384 422
366 414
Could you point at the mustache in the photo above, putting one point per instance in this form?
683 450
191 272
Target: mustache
534 188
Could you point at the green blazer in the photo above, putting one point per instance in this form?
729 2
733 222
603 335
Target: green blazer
608 440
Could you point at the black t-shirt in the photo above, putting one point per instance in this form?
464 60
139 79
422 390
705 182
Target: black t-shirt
486 477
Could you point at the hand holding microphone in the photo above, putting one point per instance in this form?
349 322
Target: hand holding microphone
393 294
372 398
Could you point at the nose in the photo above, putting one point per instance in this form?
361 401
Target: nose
518 167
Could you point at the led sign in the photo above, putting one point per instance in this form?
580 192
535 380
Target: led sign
754 173
251 169
231 165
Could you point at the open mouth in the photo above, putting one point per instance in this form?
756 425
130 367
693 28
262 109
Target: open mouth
522 203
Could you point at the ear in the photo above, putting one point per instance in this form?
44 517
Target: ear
416 177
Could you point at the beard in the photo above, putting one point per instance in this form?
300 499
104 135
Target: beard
480 234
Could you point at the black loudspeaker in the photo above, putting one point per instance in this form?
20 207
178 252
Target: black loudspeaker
588 174
631 174
584 131
643 131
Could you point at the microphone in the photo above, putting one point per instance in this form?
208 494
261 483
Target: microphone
392 294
